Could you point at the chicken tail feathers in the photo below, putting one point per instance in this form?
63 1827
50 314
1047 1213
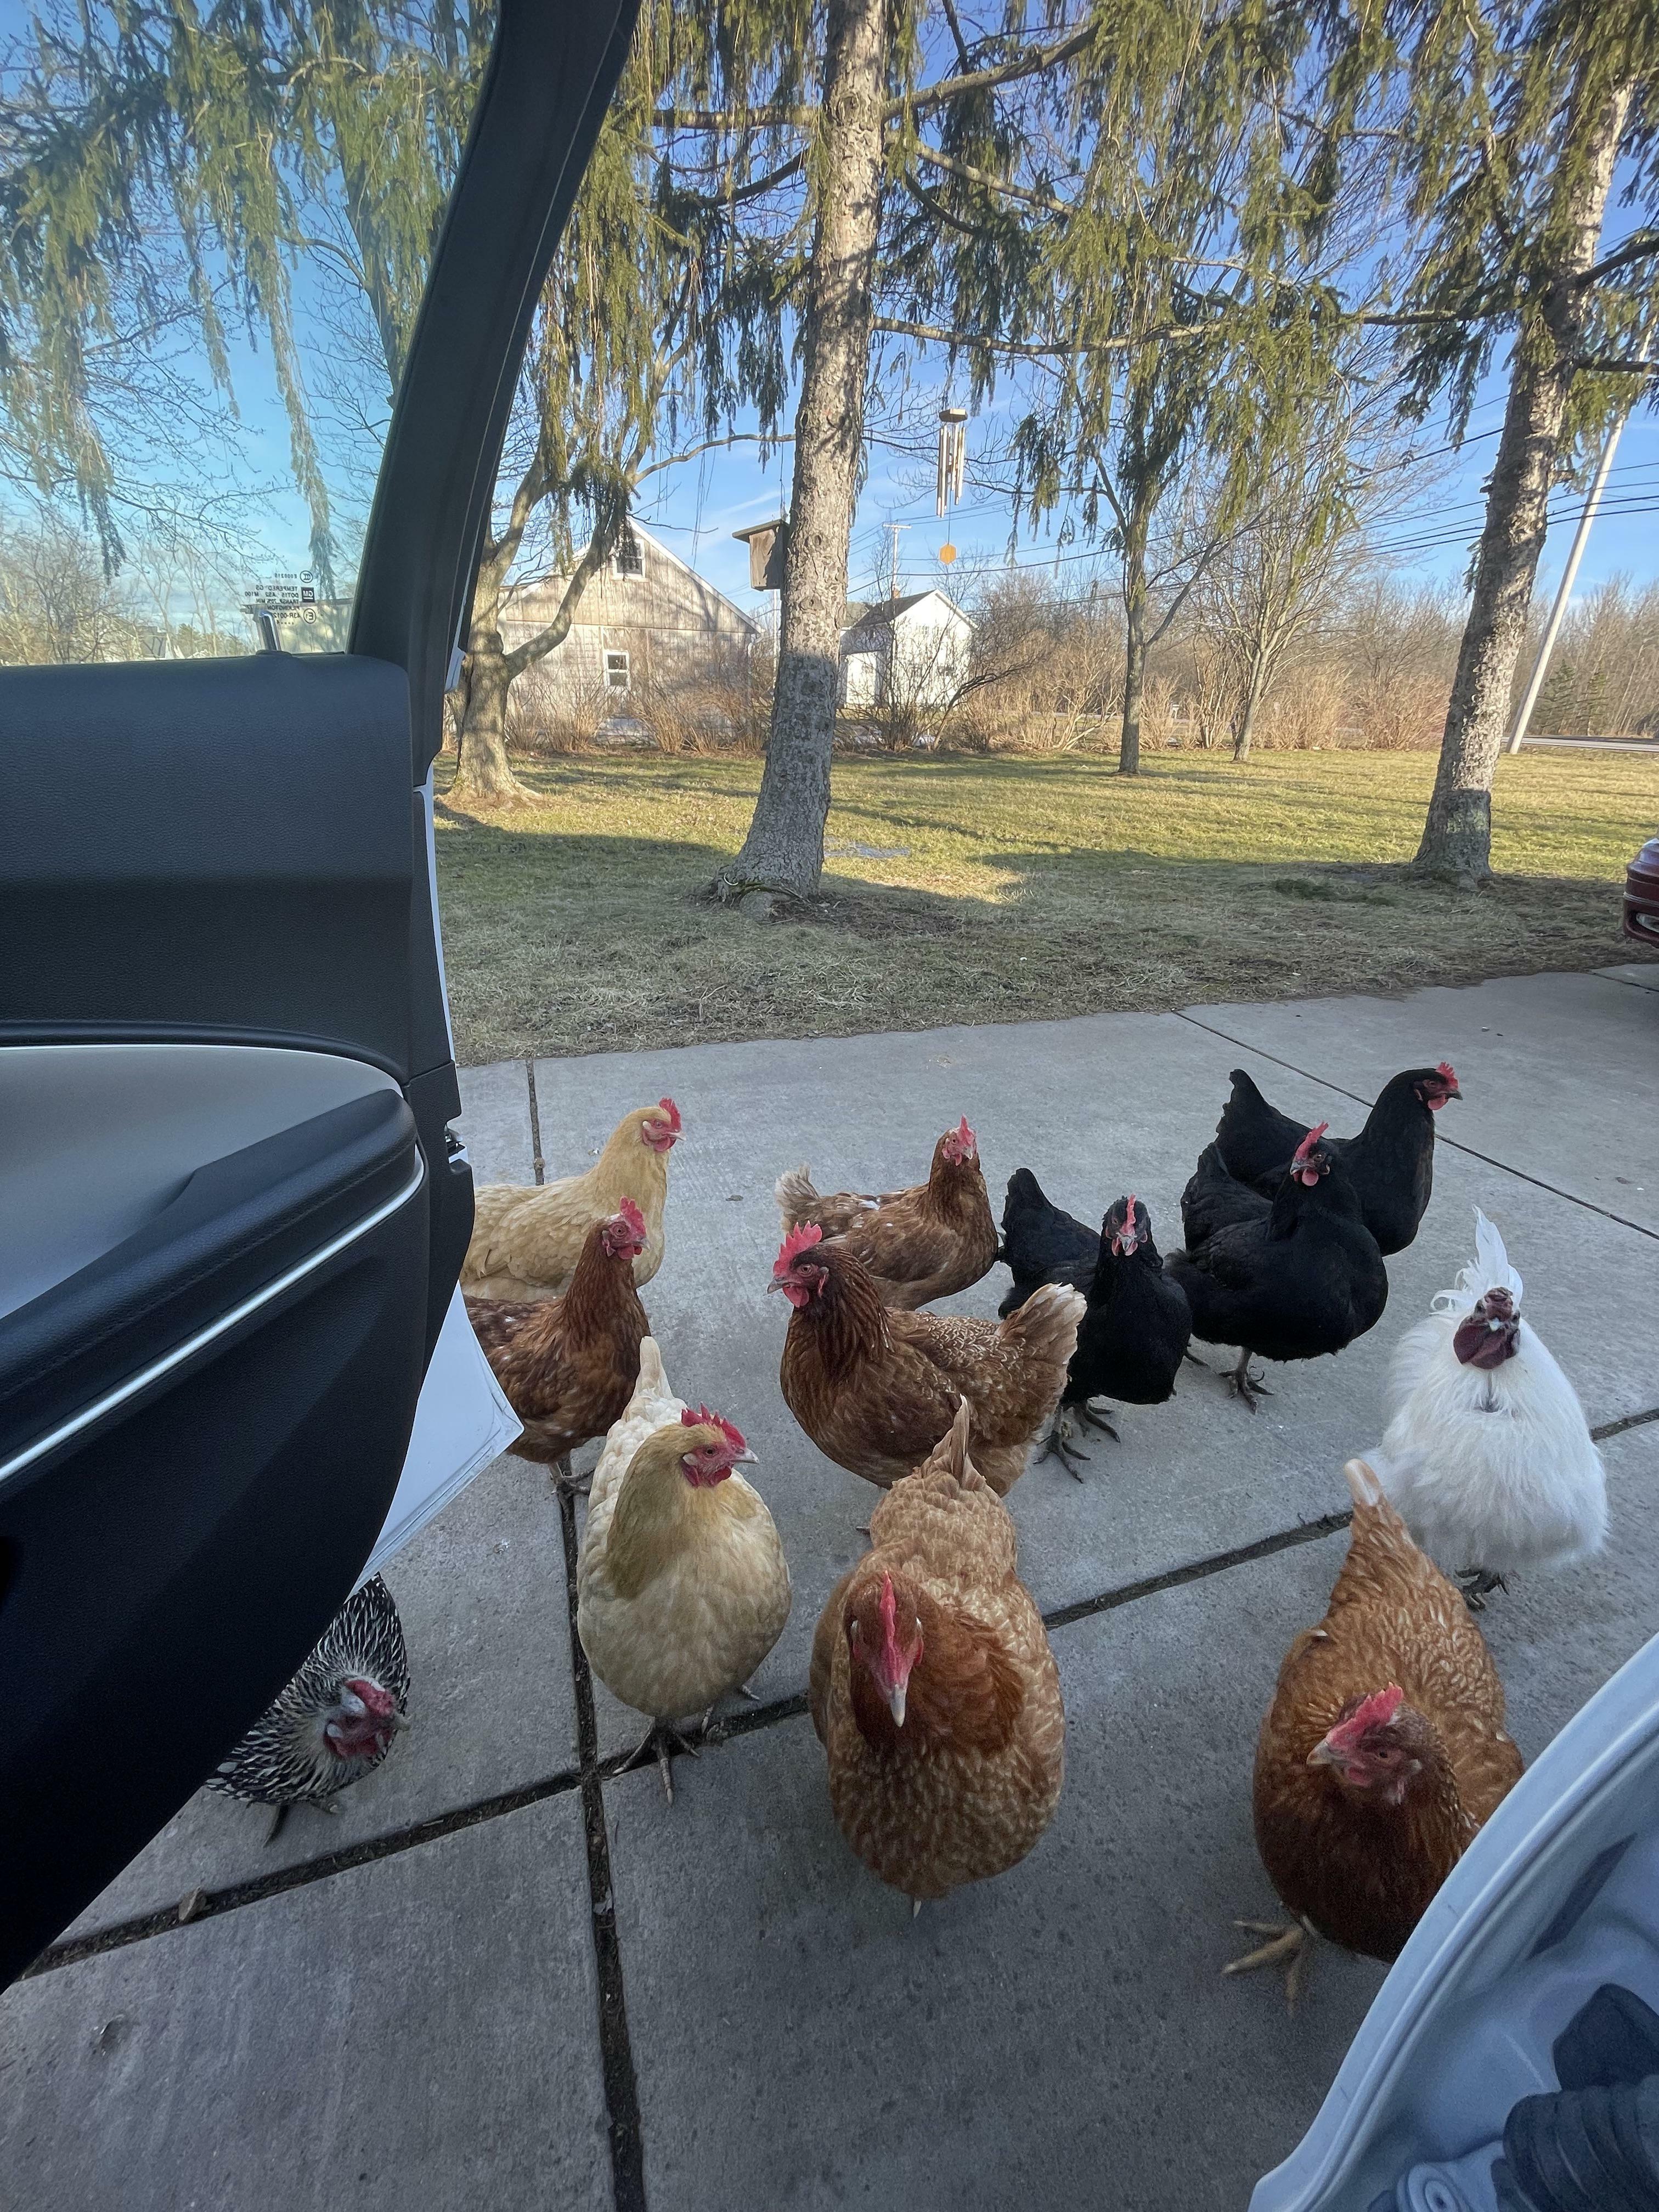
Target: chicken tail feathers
1490 1272
653 1382
798 1202
1364 1486
1048 1320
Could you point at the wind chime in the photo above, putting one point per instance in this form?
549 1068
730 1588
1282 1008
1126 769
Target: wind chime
952 461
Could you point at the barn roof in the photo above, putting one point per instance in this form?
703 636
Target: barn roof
877 614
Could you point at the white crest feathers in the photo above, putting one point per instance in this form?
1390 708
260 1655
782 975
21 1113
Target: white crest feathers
1491 1272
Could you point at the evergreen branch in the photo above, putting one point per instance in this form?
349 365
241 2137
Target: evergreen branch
1636 248
716 444
988 183
1600 365
1035 61
940 213
967 340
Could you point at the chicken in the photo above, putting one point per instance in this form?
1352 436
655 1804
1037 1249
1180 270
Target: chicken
1487 1455
916 1245
526 1240
568 1364
335 1722
1291 1277
1390 1162
1383 1750
876 1388
932 1688
682 1587
1138 1322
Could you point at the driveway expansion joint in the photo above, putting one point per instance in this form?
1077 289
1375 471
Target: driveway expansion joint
622 2088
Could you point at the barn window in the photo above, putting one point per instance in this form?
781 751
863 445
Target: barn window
629 562
617 676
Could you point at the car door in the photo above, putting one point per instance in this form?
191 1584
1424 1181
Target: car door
232 1207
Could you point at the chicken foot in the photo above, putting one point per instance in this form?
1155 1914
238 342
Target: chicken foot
1087 1414
1479 1583
1058 1445
661 1742
1244 1385
1293 1944
566 1480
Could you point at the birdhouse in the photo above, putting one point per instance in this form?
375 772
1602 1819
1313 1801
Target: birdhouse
768 543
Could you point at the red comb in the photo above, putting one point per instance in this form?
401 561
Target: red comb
1129 1208
632 1220
796 1242
1445 1070
1374 1711
964 1132
702 1418
1308 1144
668 1107
889 1618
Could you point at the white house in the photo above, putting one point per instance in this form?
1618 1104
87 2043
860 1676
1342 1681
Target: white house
911 652
645 620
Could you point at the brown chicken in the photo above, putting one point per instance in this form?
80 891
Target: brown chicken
876 1388
916 1245
526 1240
1383 1752
567 1364
933 1690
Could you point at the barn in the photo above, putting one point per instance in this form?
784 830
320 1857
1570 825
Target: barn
648 626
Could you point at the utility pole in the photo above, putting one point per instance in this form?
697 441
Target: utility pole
895 527
1558 612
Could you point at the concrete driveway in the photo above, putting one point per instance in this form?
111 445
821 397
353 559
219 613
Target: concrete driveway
505 1975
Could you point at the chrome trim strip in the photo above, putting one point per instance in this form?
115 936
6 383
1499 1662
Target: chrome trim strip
181 1352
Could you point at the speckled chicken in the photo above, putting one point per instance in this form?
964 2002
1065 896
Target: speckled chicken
1384 1749
527 1239
568 1364
876 1388
916 1245
933 1690
682 1588
335 1722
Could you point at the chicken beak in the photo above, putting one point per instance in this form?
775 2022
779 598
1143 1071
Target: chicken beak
401 1720
746 1459
895 1704
1323 1755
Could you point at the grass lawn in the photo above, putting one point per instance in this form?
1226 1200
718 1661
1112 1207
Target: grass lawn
968 889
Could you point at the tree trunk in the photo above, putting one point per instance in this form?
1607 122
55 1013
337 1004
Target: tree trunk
784 849
1253 692
1457 835
1135 683
1134 651
483 776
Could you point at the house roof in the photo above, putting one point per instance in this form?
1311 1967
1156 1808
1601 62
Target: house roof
877 614
641 537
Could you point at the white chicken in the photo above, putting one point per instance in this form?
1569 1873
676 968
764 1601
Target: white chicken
682 1587
1487 1457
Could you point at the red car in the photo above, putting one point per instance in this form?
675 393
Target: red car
1642 895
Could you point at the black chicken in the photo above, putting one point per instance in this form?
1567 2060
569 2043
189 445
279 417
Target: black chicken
1136 1326
1292 1277
337 1719
1390 1164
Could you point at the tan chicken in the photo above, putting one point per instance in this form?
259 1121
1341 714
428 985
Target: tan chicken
933 1690
916 1245
682 1588
526 1239
876 1386
1383 1752
568 1364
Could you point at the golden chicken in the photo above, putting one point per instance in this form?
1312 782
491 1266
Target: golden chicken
876 1388
1383 1752
916 1245
932 1688
526 1240
682 1587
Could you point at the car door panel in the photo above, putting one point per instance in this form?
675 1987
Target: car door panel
227 1077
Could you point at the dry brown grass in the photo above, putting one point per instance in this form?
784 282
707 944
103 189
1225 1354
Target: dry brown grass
1007 889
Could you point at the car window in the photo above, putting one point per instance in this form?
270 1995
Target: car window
206 297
